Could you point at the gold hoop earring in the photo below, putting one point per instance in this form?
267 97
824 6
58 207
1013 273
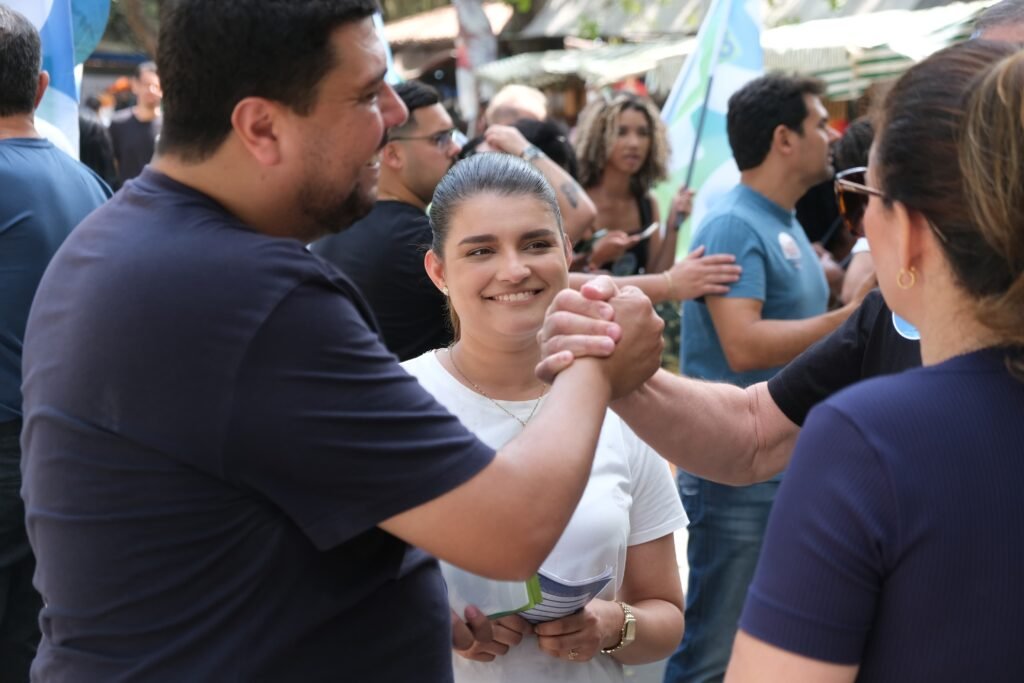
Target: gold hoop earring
906 279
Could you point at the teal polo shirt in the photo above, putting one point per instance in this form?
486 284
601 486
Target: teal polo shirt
780 269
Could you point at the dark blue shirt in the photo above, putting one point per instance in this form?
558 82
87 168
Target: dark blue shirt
206 464
44 193
897 537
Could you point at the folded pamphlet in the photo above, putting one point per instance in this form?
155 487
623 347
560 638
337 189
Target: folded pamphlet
562 597
493 598
545 597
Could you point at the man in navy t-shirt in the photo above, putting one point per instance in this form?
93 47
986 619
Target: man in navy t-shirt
225 471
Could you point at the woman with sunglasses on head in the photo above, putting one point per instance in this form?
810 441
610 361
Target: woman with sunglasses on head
868 572
500 257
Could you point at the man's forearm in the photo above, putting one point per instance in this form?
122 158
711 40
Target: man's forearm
716 431
771 343
657 287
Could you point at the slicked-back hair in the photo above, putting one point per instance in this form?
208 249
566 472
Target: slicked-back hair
20 63
761 106
599 128
415 95
214 53
502 175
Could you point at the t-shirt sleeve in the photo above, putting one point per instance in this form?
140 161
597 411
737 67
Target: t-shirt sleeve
831 536
826 367
656 510
328 427
727 234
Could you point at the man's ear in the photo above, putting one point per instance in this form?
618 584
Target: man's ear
782 139
435 269
258 122
44 83
392 156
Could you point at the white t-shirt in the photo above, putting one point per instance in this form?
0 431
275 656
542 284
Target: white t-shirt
630 499
861 245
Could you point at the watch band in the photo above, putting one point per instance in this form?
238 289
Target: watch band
628 634
530 153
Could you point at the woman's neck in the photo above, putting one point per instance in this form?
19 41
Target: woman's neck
949 325
502 371
615 184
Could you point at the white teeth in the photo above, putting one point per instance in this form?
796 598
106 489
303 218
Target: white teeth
509 298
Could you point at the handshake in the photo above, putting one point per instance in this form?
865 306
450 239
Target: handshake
618 329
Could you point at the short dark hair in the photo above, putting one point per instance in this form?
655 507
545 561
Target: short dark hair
552 139
212 55
415 95
144 67
761 106
20 63
851 150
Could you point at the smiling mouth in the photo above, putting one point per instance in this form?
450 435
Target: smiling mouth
515 297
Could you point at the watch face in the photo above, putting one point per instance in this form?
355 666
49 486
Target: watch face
629 634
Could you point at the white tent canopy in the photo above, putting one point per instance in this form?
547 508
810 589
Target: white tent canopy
848 53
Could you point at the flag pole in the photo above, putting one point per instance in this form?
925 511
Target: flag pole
700 129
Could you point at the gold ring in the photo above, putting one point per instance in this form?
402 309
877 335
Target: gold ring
573 654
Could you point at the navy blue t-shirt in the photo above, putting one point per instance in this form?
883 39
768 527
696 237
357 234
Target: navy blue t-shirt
897 537
213 430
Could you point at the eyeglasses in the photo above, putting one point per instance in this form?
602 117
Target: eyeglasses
852 196
442 140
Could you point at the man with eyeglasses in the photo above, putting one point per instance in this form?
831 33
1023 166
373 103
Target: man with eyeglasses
383 252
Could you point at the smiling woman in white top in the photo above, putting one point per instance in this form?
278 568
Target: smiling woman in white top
500 256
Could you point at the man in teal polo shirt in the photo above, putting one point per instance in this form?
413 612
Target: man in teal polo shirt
779 134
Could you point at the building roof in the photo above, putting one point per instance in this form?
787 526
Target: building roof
441 24
676 18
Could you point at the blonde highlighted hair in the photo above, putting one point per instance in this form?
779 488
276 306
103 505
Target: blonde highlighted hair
991 150
598 130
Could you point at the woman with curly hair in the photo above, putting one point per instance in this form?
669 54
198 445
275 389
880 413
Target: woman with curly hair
623 151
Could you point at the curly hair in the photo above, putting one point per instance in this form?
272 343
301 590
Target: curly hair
598 130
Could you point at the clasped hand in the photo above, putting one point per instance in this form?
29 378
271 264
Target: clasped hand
600 321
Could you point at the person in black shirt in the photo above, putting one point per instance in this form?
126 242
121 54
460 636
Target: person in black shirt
134 131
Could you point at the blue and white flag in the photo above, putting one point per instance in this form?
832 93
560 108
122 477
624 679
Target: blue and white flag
57 115
728 54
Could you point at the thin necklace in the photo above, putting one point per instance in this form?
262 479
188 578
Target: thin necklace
476 387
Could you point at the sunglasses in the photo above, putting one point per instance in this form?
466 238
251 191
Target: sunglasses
852 197
852 194
441 140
